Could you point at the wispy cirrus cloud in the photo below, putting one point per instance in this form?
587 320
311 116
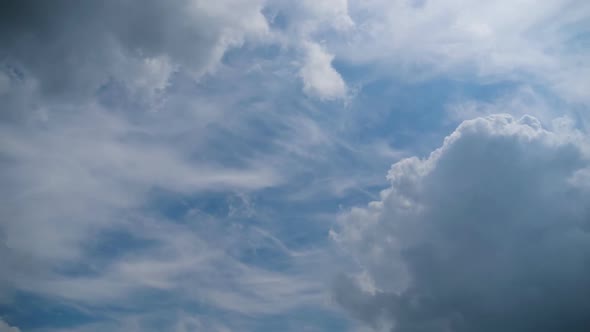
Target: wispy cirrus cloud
527 41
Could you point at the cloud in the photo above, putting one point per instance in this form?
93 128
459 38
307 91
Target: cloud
139 45
301 21
319 77
83 166
128 127
545 43
79 171
68 51
331 12
194 263
4 327
297 26
490 232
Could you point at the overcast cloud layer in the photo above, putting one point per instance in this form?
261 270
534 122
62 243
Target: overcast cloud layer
195 165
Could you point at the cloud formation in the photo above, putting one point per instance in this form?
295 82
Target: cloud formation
319 77
490 232
69 50
176 163
501 40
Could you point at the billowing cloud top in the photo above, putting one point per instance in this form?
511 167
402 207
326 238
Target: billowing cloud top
489 233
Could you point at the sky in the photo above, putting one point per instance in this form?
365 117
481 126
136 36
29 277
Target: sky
274 165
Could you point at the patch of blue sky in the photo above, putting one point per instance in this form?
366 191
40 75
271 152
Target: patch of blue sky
412 115
176 206
311 319
108 245
30 311
216 215
276 19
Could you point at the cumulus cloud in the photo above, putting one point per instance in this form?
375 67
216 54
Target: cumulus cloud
490 232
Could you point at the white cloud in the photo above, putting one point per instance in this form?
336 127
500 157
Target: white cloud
319 78
81 171
331 12
193 264
490 232
302 22
537 43
524 40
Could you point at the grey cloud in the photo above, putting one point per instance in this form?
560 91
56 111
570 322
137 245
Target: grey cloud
7 328
489 233
69 49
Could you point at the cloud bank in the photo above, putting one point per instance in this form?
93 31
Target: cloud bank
490 232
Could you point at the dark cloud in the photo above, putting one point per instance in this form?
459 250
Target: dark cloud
489 233
70 48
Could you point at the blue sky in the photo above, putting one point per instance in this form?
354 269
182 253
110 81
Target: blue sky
273 165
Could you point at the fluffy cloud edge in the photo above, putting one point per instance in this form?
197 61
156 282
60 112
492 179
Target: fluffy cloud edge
499 198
